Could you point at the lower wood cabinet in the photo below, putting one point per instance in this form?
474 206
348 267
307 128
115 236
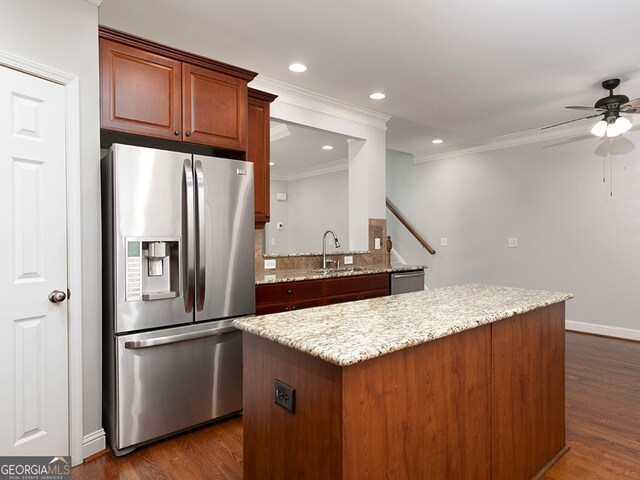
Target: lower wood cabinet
282 297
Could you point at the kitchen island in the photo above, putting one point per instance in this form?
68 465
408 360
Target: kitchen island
453 383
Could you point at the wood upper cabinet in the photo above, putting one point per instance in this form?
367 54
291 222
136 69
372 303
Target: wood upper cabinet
258 151
140 91
158 91
214 108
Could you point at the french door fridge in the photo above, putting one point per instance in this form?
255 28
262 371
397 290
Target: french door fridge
178 266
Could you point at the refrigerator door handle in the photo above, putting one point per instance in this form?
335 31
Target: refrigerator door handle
183 337
189 235
202 236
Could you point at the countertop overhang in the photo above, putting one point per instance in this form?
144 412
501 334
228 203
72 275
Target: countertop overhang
297 275
348 333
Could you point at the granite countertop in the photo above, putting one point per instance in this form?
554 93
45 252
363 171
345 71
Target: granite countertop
306 274
348 333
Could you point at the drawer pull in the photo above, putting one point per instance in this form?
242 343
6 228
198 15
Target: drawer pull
289 292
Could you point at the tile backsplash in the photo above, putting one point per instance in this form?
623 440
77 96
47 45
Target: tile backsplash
377 229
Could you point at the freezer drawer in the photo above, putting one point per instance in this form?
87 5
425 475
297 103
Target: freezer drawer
172 379
404 282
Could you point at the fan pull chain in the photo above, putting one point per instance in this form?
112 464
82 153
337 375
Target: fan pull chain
613 159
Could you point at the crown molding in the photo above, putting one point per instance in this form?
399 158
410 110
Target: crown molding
502 142
316 102
97 3
314 170
279 131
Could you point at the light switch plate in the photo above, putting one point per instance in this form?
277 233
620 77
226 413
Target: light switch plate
268 264
444 241
348 260
377 243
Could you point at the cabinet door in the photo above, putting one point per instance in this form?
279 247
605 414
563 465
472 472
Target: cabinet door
140 91
214 108
258 153
352 297
356 284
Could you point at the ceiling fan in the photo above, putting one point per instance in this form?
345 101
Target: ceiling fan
610 107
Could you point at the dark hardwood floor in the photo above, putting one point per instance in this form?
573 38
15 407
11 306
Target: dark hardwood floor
603 428
603 410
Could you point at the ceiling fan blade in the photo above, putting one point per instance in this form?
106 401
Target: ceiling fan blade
631 107
571 121
588 108
632 104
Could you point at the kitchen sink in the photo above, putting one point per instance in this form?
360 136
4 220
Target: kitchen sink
338 270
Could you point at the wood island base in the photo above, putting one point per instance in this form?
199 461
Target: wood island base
485 403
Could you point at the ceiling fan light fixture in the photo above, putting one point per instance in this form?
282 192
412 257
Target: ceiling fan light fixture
612 130
623 124
599 129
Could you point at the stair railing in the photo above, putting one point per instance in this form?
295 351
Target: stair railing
408 226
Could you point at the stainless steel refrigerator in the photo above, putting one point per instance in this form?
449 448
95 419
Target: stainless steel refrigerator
178 266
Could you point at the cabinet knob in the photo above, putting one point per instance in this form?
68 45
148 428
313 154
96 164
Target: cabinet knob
188 133
289 292
268 216
293 308
286 309
177 132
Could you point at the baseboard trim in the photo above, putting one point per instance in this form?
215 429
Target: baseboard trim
603 330
93 443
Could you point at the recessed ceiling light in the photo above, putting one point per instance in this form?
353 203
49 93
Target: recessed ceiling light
271 163
437 140
377 96
327 147
298 67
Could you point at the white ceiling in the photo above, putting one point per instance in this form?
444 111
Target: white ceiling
461 70
301 150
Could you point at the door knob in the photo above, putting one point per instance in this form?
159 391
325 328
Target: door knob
57 296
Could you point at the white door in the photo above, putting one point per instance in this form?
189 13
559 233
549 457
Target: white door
33 262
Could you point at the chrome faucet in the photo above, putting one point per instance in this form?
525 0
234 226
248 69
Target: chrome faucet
324 246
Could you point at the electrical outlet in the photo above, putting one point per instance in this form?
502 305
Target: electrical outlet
348 260
377 243
513 242
444 241
270 263
285 395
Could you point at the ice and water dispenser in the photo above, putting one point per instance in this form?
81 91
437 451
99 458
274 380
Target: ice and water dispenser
153 270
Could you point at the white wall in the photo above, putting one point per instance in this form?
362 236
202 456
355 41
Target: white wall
315 204
572 234
279 214
367 127
63 35
318 204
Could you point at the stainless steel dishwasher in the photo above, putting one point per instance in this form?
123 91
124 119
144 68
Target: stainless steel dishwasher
408 281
